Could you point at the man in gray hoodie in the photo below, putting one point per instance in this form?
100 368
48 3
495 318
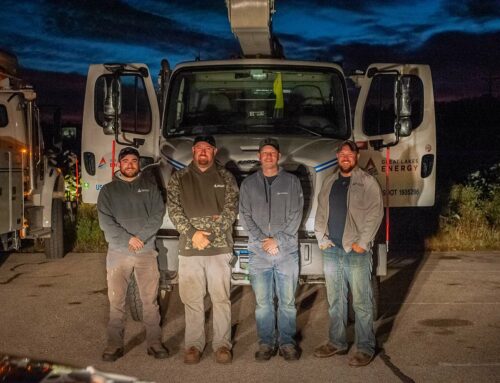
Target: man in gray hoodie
271 203
131 211
350 210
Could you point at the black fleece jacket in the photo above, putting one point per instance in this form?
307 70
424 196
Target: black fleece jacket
129 209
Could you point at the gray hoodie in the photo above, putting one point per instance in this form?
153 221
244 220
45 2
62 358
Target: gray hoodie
271 210
128 209
365 210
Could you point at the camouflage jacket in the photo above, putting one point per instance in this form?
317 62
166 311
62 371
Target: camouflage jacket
203 201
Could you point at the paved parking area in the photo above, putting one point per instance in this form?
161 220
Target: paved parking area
440 321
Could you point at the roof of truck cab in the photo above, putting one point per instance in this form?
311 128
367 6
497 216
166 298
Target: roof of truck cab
258 62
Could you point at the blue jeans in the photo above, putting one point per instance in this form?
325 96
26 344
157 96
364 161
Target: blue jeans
275 276
354 270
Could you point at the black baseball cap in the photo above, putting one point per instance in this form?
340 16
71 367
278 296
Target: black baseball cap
271 142
128 150
208 139
352 145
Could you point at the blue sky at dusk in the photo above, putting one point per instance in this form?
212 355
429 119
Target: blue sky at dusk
65 36
459 39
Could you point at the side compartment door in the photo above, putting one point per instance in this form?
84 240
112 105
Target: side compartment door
395 113
121 109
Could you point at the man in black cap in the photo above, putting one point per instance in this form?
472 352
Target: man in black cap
271 203
131 211
202 204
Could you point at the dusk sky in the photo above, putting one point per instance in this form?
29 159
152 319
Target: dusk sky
459 39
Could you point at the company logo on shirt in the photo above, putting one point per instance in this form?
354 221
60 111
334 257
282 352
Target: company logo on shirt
142 190
218 185
281 193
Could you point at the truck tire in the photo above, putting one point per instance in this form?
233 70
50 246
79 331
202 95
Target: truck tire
134 300
54 246
376 300
135 303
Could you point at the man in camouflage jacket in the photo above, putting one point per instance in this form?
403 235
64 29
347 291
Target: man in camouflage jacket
202 204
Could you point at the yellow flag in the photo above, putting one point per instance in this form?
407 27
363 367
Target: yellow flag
278 92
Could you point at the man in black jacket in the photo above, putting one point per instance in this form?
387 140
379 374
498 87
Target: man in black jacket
131 211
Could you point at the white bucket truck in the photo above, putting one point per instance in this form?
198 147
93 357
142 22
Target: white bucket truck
31 187
303 104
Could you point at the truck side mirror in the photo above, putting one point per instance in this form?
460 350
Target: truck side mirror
402 106
112 104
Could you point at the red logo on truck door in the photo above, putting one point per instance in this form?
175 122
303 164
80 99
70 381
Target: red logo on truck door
102 163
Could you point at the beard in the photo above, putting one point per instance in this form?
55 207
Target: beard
346 168
130 173
203 161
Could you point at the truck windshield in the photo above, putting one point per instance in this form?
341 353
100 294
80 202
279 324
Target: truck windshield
257 101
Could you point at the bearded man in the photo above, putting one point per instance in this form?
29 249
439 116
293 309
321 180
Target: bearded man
350 210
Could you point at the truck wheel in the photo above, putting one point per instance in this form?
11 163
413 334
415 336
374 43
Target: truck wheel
134 300
376 300
54 246
135 303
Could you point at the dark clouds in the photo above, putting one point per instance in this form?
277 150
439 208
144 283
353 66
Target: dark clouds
217 6
459 40
349 5
114 21
476 9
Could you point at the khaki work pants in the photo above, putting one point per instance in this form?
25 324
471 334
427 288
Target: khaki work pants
119 267
197 274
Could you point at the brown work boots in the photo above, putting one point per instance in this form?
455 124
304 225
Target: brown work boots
223 355
327 350
360 359
192 355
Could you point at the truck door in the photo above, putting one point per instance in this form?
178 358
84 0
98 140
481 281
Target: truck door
121 109
394 125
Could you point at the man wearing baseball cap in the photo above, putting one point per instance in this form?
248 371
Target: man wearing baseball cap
131 211
350 210
202 204
271 204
